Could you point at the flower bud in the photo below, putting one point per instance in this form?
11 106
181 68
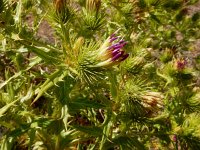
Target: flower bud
180 64
153 101
93 5
59 5
174 138
77 45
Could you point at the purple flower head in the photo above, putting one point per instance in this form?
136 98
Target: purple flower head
174 138
118 54
111 52
181 63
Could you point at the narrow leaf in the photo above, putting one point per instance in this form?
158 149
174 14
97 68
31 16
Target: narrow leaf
6 107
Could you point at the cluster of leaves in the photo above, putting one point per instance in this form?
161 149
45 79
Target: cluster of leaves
54 96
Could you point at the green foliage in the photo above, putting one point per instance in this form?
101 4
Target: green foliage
99 74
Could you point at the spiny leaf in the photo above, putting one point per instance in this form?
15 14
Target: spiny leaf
7 143
19 131
28 96
125 142
2 5
10 79
113 85
6 107
90 130
57 76
17 17
83 103
46 56
63 89
167 78
42 122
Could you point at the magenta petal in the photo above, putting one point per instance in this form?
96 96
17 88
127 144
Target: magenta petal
115 52
113 35
122 52
121 41
118 55
124 43
113 39
124 57
118 46
112 46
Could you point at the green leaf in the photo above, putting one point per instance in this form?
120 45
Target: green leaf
45 54
2 5
196 17
31 134
56 77
142 3
42 122
5 108
113 85
17 17
173 4
154 17
125 142
23 128
28 95
64 88
10 79
7 143
90 130
83 103
167 78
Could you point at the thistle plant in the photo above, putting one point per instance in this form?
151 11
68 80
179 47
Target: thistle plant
99 74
